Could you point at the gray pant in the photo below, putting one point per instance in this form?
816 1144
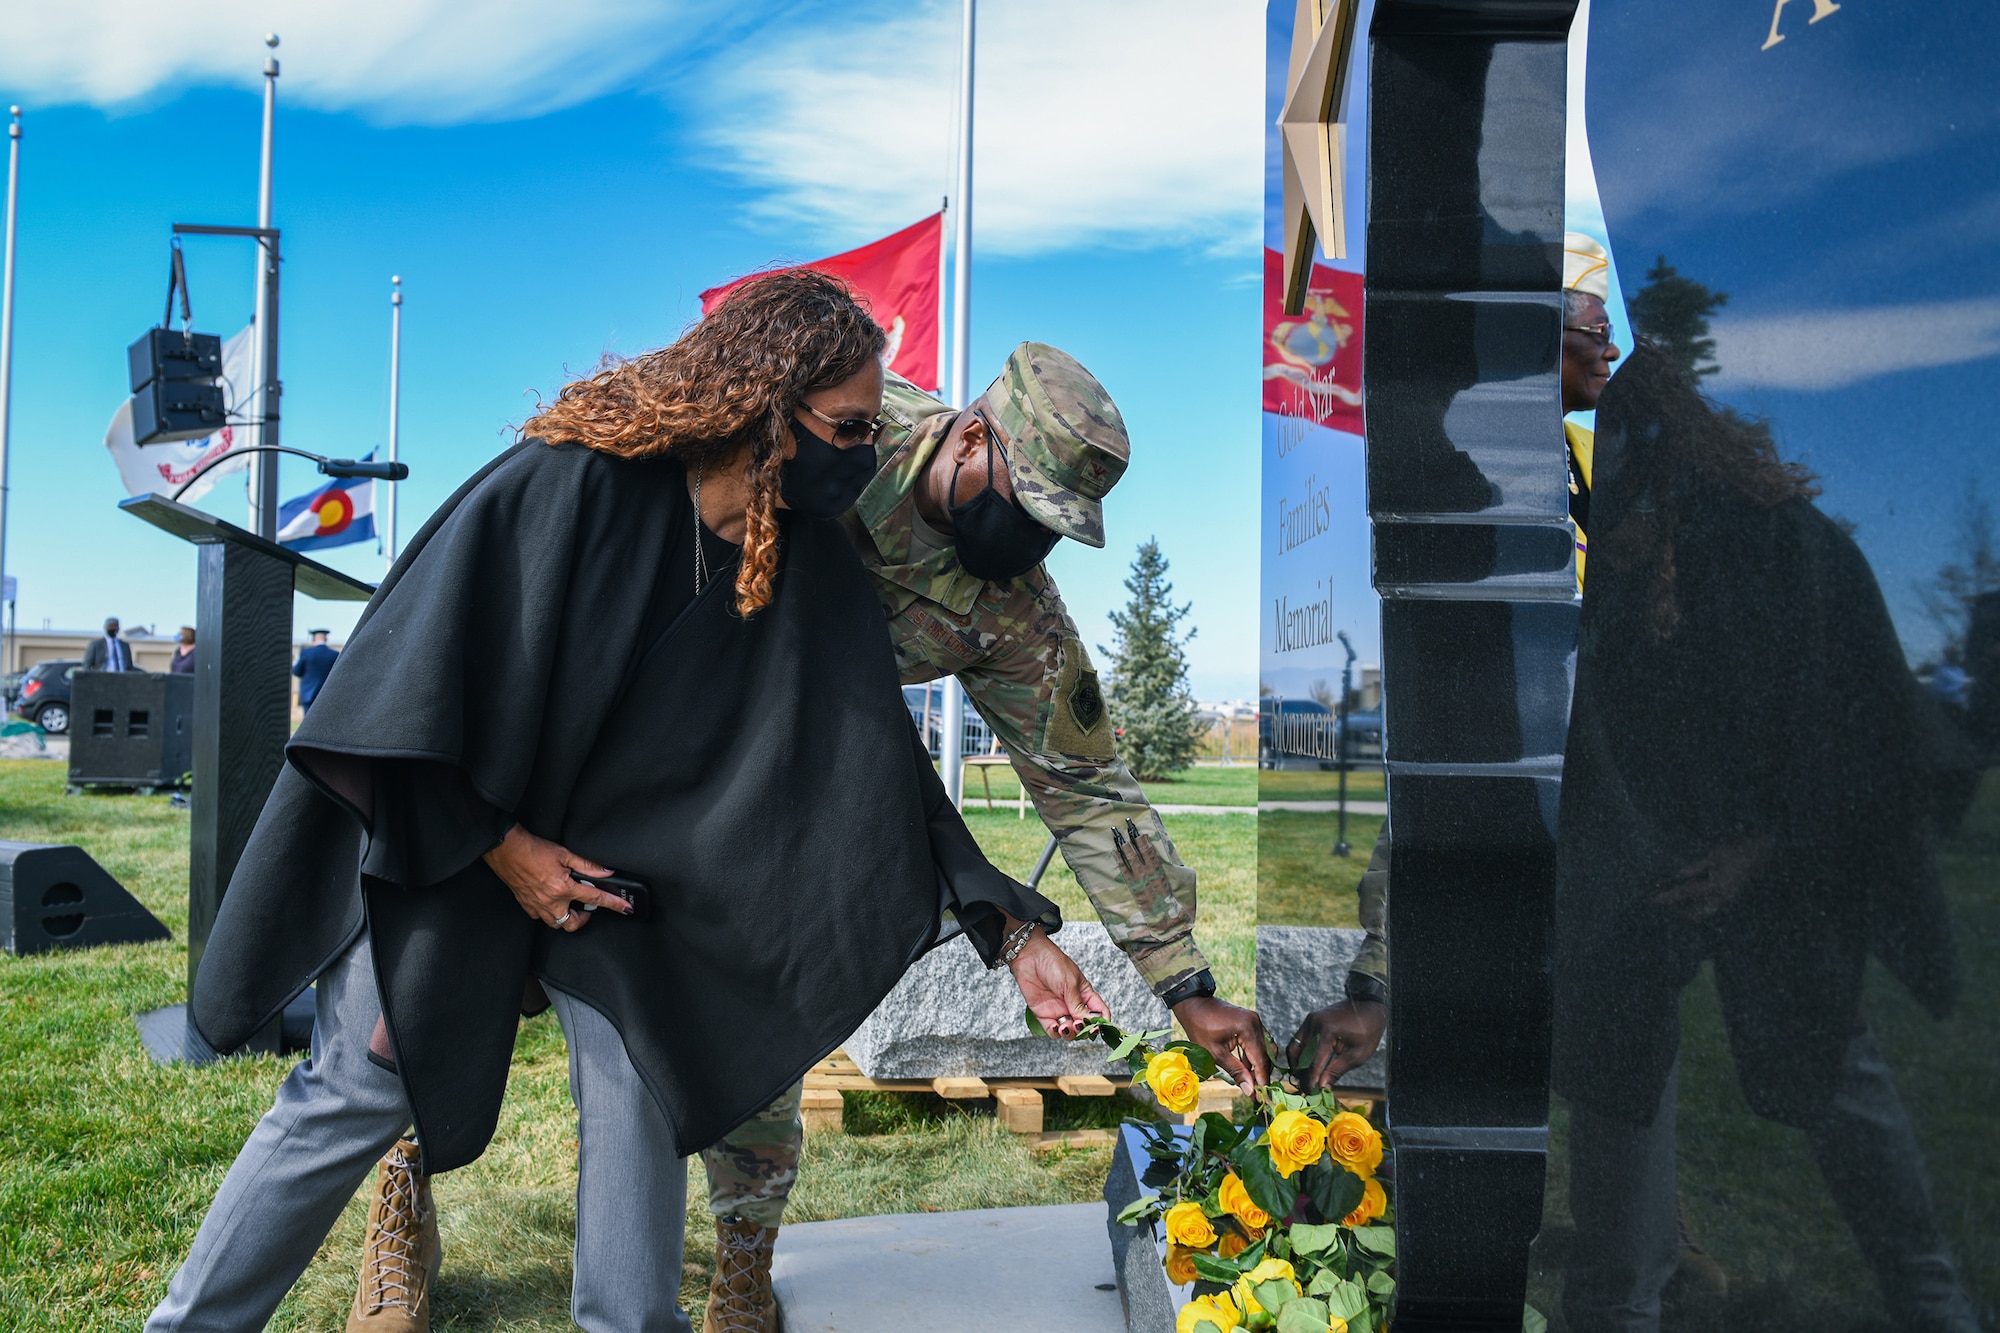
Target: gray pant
337 1113
1625 1201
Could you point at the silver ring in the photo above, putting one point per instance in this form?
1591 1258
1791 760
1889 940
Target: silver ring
557 923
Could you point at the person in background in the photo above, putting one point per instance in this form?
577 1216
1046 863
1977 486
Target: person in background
183 659
1343 1036
316 659
109 653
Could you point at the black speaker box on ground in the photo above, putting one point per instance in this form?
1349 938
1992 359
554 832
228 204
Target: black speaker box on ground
130 729
54 897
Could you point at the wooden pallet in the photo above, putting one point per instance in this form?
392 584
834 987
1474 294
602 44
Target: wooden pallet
1019 1100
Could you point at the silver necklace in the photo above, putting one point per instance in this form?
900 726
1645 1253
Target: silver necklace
700 556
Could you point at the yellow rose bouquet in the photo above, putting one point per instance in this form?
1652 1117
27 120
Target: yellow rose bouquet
1281 1225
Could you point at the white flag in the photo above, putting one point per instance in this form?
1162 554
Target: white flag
163 468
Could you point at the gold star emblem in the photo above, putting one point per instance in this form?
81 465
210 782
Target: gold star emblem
1314 142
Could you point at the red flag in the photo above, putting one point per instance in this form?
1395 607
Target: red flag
897 277
1312 360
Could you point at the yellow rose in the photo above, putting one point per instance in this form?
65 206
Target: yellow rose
1188 1225
1173 1081
1356 1144
1180 1265
1267 1270
1373 1204
1237 1203
1218 1310
1296 1140
1233 1244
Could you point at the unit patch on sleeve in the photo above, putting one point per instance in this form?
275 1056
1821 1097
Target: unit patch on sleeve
1077 721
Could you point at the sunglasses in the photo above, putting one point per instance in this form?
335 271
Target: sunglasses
1599 333
852 431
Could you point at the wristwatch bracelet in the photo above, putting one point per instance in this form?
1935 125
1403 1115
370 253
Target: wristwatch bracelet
1195 984
1010 948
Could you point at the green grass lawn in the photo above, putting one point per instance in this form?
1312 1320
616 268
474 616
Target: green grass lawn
108 1161
1363 784
1300 882
1204 784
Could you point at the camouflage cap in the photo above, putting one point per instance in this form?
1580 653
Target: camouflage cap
1066 444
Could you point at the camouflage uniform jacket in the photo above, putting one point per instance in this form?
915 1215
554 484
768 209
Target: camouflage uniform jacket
1022 662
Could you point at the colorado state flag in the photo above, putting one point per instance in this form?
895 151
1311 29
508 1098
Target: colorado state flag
342 512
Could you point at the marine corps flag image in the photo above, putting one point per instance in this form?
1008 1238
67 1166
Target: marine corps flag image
897 279
341 512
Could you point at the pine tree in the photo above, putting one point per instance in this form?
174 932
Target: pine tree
1673 311
1151 703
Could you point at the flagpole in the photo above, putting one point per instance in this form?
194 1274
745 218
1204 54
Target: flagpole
7 344
944 288
952 752
264 353
395 413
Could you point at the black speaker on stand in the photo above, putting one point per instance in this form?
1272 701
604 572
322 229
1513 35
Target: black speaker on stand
56 897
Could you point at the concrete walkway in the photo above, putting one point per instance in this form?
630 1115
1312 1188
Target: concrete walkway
1206 809
994 1270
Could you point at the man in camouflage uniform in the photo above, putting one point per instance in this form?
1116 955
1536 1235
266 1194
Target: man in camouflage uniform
1057 445
1046 439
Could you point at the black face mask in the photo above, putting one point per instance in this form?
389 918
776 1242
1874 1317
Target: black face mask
822 481
996 538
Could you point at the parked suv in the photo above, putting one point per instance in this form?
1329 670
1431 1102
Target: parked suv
44 697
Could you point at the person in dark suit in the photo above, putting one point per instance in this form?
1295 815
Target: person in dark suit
109 653
315 660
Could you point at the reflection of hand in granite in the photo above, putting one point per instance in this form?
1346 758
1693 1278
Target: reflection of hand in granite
1718 879
1336 1039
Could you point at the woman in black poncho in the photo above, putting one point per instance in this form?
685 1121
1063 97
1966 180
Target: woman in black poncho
573 670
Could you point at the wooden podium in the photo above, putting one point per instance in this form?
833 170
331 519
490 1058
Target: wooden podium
242 715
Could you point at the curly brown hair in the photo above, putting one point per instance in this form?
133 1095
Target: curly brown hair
1672 444
726 388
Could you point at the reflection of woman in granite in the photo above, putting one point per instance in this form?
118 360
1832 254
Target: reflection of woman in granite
1742 785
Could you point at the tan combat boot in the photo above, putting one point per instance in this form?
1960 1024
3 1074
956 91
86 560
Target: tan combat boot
401 1254
739 1295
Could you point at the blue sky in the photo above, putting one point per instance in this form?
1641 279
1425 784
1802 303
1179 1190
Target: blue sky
554 183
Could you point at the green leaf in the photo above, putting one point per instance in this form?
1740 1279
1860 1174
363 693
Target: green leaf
1267 1189
1220 1270
1361 1323
1136 1062
1347 1299
1381 1283
1123 1049
1198 1057
1311 1240
1302 1315
1138 1211
1377 1240
1276 1294
1533 1320
1325 1282
1035 1028
1334 1190
1208 1324
1223 1134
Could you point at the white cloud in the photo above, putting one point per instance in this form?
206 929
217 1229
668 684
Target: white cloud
402 61
1830 349
1098 121
1095 121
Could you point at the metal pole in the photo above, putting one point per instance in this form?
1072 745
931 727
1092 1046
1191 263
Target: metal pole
1341 847
264 467
395 413
952 752
7 339
944 347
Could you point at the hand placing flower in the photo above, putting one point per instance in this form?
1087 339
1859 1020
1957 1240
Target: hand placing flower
1297 1141
1355 1144
1174 1081
1188 1225
1236 1201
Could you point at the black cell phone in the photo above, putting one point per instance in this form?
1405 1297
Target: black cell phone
633 891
